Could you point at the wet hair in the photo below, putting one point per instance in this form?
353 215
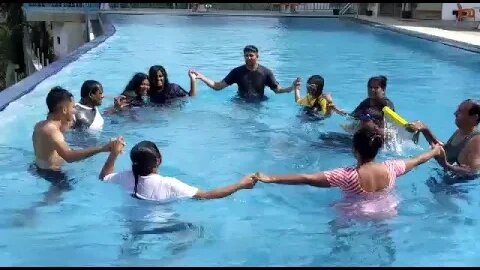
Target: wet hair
134 84
250 48
144 156
57 96
89 87
378 80
318 81
152 76
475 109
367 142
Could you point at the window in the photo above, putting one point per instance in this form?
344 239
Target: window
58 40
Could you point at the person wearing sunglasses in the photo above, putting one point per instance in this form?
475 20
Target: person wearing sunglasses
251 78
316 100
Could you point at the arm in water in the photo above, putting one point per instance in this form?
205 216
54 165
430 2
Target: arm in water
246 182
116 150
472 163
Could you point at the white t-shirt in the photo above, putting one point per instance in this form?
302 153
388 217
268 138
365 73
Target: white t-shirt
153 187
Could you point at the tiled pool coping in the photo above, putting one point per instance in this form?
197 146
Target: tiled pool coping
446 41
26 85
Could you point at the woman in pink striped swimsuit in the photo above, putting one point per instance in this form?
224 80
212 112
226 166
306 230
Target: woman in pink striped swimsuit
368 177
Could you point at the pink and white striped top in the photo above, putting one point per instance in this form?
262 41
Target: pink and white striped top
347 178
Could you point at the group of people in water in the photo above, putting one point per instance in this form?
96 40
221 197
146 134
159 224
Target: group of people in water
461 153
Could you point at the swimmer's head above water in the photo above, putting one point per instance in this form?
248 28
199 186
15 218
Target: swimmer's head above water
145 158
91 93
139 84
158 78
376 87
315 85
366 143
250 52
61 106
467 114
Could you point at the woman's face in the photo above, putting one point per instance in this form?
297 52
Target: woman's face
144 87
159 79
375 91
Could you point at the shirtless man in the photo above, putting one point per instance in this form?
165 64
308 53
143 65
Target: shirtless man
49 144
462 151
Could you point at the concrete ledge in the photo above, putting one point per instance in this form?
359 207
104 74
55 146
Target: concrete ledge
26 85
445 41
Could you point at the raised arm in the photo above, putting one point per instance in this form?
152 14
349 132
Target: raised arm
70 155
246 182
210 83
424 157
116 150
193 83
271 82
297 93
316 179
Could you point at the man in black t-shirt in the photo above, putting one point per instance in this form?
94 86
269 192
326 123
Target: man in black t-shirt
250 78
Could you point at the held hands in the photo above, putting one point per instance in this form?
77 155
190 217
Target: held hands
193 74
296 84
248 182
120 102
115 145
262 177
439 153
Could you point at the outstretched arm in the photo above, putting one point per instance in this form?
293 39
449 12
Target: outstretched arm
419 126
424 157
271 82
209 82
69 155
246 182
316 179
116 150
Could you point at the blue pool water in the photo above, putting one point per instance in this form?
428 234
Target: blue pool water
211 141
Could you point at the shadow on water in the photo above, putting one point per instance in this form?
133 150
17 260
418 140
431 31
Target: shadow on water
361 243
149 225
59 184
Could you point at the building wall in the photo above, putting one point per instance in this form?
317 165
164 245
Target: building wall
447 9
67 36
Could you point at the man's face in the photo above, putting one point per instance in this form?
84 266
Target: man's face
250 58
68 110
462 117
97 96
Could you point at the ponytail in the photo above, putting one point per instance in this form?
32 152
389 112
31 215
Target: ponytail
145 158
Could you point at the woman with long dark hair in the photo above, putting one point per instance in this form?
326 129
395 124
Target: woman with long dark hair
145 183
162 90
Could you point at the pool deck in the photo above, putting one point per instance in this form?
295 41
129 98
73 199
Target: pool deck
463 35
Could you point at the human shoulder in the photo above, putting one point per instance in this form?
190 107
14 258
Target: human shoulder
264 69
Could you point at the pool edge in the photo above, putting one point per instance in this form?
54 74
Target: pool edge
27 85
432 38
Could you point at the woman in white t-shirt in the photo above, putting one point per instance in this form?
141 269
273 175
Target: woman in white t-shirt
146 184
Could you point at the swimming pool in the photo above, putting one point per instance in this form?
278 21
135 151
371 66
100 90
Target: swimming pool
211 141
